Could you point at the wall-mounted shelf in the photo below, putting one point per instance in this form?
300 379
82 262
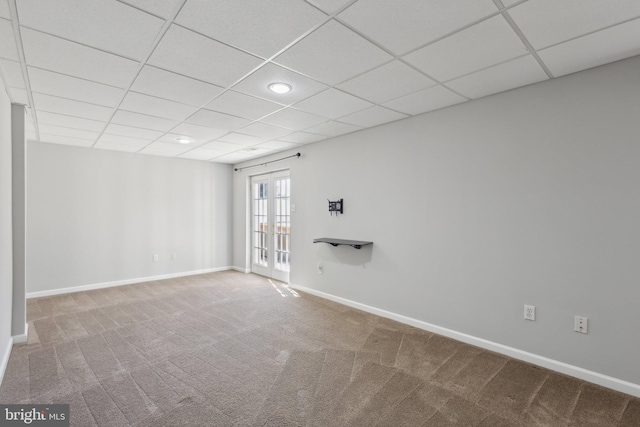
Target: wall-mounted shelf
335 242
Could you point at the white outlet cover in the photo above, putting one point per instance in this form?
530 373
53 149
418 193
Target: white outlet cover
581 324
530 312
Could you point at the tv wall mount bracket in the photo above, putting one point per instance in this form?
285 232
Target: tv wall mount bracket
336 206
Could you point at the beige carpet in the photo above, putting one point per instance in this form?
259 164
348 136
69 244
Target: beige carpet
232 349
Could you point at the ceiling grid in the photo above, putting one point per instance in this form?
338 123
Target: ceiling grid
138 75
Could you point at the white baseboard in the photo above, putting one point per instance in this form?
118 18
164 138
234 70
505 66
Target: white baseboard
241 270
5 359
81 288
554 365
19 339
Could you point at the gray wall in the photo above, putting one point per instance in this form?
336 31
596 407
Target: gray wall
6 258
18 205
98 216
526 197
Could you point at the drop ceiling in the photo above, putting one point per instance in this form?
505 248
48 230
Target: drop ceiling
137 75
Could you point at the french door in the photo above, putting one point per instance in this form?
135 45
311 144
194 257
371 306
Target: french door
271 225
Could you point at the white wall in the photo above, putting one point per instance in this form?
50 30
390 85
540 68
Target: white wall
527 197
98 216
6 245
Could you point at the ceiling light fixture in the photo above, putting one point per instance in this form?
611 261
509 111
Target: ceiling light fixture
183 140
279 87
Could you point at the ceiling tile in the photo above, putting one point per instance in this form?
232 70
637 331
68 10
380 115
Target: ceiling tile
4 9
116 147
302 138
508 3
372 117
18 96
65 140
262 130
63 86
165 149
480 46
222 146
512 74
70 107
293 119
241 105
12 72
54 54
389 81
333 54
238 138
276 145
162 8
328 6
201 154
170 146
168 85
232 158
107 25
159 152
204 133
121 130
258 82
69 121
258 152
64 131
118 139
595 49
273 23
190 54
424 100
145 104
8 48
332 103
255 152
143 121
173 137
547 22
421 21
217 120
333 129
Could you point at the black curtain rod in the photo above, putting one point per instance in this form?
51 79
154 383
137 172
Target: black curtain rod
266 163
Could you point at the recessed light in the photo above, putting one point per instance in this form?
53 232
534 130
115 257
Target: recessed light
183 140
279 87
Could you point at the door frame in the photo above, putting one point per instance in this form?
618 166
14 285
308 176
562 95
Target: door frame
269 270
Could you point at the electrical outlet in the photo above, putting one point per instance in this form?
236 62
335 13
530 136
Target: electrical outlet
174 256
156 258
581 324
530 312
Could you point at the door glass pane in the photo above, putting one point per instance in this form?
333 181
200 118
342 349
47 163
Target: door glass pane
260 223
282 224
